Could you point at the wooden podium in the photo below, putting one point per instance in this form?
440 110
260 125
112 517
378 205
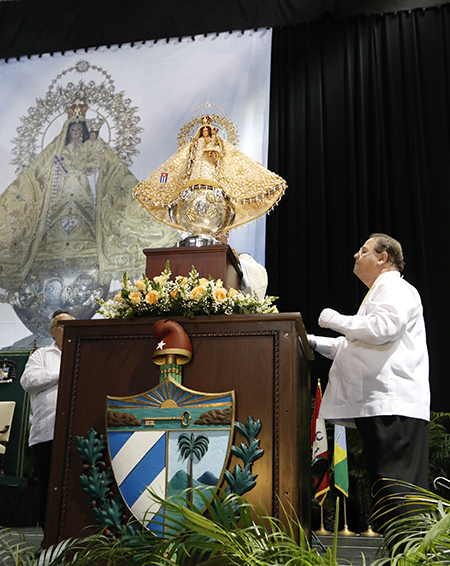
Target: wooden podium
260 357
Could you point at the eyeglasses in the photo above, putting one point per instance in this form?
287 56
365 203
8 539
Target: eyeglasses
360 252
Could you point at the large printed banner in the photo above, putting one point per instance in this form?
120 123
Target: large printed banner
69 224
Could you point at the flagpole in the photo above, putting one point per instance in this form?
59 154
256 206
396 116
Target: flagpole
346 531
369 532
322 530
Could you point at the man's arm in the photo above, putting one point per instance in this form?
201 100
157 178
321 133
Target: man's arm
40 373
385 320
324 345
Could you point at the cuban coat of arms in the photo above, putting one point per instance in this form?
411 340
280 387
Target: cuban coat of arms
170 439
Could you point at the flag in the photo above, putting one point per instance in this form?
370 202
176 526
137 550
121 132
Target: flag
340 460
319 445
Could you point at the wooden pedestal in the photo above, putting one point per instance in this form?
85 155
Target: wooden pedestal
217 261
260 357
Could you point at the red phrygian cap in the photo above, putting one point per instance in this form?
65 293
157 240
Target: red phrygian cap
172 341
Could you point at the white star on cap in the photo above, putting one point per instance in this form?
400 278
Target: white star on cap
161 345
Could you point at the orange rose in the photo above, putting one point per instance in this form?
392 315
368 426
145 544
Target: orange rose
135 297
174 293
161 279
232 292
198 292
181 280
219 295
140 285
118 298
152 297
203 282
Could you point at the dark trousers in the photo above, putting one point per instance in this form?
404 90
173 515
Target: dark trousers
395 447
43 457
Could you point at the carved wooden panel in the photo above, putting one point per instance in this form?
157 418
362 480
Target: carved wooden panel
258 356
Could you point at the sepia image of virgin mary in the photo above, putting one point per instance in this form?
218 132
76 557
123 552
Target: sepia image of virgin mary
69 224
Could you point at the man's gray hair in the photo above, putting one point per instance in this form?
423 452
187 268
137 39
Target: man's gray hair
392 247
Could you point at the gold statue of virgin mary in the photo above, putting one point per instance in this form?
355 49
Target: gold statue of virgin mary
208 186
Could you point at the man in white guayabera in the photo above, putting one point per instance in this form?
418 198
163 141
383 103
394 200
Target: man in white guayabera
378 381
40 379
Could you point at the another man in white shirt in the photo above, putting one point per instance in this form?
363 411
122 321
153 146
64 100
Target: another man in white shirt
40 379
378 381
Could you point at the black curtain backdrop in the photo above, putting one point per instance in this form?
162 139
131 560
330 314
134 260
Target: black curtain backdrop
360 131
29 27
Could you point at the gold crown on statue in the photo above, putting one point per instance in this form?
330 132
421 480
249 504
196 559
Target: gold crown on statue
206 120
76 112
94 124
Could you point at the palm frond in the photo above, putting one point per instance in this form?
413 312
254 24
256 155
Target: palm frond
416 524
14 548
250 538
226 530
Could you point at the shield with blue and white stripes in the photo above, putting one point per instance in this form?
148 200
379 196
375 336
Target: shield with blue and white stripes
168 440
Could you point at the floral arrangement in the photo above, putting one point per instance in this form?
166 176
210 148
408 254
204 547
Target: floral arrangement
183 296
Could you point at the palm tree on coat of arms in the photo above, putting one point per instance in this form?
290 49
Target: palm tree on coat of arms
191 447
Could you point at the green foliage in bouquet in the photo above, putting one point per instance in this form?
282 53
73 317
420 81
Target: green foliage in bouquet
181 296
